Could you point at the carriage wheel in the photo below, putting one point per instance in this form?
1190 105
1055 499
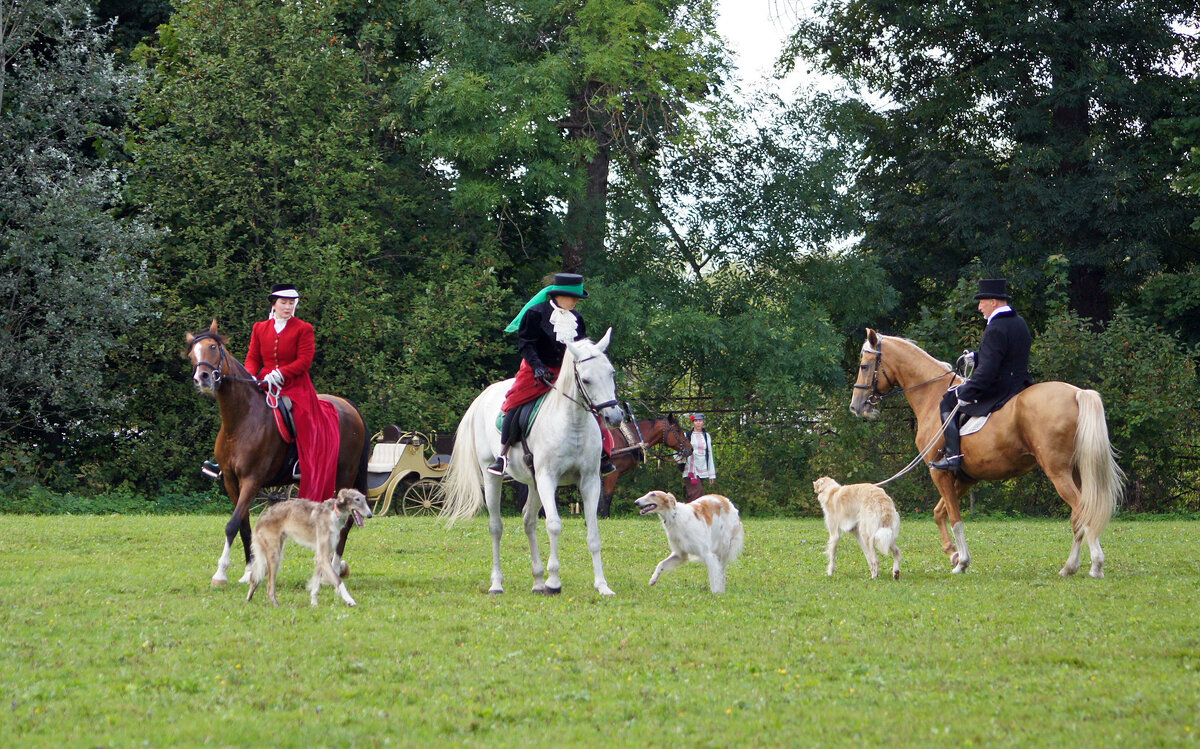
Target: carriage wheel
422 498
270 495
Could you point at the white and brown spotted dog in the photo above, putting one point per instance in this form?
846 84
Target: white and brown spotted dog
864 508
707 529
315 525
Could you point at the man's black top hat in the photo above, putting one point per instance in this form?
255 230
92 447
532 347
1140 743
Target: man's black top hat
993 288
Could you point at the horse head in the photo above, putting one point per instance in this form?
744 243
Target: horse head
207 353
872 382
676 438
595 378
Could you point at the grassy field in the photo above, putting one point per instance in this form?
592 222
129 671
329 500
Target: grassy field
113 637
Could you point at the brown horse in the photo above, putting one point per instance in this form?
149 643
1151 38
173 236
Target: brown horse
628 456
1052 425
249 449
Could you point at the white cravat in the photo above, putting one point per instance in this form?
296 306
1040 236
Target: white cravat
566 327
997 311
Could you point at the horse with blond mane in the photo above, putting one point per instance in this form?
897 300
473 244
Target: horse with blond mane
1052 425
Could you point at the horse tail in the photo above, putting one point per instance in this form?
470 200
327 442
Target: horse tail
461 488
1103 480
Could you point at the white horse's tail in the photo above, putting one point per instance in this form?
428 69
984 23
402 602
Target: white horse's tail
462 487
1103 480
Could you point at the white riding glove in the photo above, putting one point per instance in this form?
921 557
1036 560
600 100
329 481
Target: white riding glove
275 377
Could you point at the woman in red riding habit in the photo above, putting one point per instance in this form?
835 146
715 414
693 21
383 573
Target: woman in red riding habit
283 346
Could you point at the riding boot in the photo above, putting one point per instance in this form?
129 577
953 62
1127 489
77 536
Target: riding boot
951 453
606 464
500 465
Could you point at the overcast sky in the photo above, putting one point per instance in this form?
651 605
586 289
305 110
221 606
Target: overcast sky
755 31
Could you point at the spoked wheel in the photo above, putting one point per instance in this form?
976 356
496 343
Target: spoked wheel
422 498
270 495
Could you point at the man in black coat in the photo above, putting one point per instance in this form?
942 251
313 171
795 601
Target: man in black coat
1001 371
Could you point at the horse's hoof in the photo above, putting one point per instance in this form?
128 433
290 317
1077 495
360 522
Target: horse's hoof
496 591
218 582
1097 574
548 591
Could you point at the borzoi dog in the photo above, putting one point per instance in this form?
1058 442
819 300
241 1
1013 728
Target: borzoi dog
315 525
865 508
706 529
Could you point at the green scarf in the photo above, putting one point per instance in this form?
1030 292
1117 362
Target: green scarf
537 299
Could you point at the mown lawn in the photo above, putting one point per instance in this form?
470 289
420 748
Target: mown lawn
112 636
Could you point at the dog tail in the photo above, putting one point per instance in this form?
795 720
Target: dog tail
884 537
258 562
737 541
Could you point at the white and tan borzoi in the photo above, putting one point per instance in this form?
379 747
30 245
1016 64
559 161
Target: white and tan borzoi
707 529
865 508
315 525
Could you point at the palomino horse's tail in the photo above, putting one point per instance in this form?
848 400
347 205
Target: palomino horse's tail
461 487
1103 480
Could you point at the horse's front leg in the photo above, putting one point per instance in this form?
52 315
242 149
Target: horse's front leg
546 486
589 489
241 517
529 514
948 487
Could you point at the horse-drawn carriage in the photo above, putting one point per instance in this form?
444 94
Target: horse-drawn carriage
407 465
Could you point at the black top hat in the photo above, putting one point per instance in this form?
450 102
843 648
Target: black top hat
571 283
993 288
285 290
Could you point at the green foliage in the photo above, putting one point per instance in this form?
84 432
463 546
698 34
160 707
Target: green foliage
71 274
1016 131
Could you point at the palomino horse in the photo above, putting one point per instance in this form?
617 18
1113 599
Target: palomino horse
626 457
565 444
1052 425
249 449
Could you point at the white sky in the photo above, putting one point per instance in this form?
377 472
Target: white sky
755 31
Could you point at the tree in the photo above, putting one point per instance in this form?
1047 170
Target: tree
1014 131
71 278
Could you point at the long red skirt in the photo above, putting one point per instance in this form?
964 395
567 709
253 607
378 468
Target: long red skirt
318 439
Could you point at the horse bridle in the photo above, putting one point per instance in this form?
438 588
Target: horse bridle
217 375
587 405
875 395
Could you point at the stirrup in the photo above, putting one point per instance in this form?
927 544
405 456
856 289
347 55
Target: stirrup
498 466
947 463
210 469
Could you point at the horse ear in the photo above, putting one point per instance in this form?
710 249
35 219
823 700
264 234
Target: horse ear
872 338
213 328
602 344
190 338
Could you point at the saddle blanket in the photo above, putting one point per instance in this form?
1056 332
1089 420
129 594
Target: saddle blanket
973 425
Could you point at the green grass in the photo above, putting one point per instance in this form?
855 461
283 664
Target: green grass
111 635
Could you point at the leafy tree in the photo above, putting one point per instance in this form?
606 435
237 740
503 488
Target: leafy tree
1013 131
71 278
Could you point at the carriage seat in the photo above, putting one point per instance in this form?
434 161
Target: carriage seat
388 450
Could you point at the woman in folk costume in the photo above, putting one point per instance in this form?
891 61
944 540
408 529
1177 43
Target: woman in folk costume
699 466
283 346
544 326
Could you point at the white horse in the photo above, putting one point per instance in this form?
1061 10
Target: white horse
565 442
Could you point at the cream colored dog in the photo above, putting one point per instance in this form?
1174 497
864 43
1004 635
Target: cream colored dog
707 529
865 508
312 524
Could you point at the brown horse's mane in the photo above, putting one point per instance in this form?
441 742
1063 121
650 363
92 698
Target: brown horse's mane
917 346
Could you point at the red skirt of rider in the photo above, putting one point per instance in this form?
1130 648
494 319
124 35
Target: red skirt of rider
527 388
318 439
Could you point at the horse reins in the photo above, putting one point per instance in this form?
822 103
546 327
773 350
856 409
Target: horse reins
218 376
587 405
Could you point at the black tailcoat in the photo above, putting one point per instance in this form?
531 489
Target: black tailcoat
535 337
1002 365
